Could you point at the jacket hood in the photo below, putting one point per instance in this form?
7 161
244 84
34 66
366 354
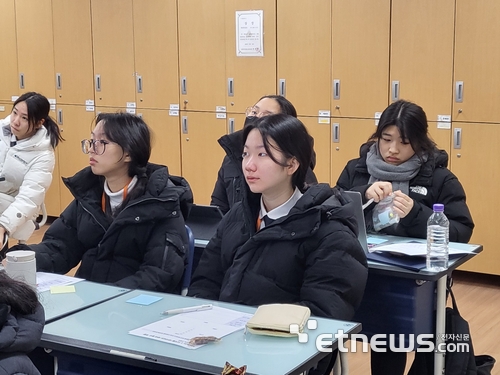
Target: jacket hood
39 141
233 145
161 185
319 203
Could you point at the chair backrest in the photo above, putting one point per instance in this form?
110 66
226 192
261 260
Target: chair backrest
186 280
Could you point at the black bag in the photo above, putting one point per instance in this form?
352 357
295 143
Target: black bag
456 362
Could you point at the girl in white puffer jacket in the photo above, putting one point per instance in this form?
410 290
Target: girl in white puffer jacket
28 137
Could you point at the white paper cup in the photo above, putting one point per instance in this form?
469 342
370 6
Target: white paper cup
21 265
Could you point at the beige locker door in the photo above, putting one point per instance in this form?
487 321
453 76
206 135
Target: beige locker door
166 138
202 54
422 54
477 61
440 135
304 54
113 42
322 135
35 46
360 57
249 77
156 60
478 173
201 153
73 51
76 124
347 137
9 79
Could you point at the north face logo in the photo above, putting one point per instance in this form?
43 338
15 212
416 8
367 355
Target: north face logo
419 190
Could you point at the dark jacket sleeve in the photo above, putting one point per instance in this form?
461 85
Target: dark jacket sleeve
60 249
335 276
452 195
22 333
209 274
349 181
219 195
163 264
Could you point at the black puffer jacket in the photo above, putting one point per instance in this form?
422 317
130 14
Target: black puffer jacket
19 335
434 183
230 179
143 247
311 256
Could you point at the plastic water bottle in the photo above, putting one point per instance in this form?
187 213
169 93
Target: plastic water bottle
438 228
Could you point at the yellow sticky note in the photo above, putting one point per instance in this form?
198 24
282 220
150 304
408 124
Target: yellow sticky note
62 289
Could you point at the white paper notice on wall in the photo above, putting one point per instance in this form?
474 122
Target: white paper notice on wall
377 117
2 108
89 102
323 117
249 33
174 107
444 121
89 108
220 115
131 111
131 105
173 112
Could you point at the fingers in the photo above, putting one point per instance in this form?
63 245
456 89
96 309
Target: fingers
379 190
402 203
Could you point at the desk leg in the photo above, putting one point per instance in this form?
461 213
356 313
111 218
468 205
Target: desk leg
440 324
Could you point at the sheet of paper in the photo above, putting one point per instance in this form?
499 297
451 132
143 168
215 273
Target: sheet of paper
181 328
249 33
415 248
44 281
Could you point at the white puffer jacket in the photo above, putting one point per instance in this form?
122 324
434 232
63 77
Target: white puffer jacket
25 174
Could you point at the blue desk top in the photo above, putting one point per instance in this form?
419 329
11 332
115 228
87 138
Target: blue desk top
97 330
86 294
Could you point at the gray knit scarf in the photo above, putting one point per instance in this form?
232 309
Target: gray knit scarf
398 175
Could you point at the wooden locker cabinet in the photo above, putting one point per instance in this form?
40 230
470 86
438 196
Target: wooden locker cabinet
35 47
322 135
166 138
347 137
477 58
202 54
113 46
360 58
422 54
251 76
201 154
73 51
9 79
475 164
304 54
76 123
155 46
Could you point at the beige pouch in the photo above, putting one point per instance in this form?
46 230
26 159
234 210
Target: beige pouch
275 319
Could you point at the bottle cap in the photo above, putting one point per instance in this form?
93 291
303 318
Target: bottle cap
438 207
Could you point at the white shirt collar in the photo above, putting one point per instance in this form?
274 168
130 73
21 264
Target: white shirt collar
282 210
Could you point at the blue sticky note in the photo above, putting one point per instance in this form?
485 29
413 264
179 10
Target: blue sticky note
144 299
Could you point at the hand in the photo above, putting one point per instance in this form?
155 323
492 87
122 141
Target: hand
378 191
402 203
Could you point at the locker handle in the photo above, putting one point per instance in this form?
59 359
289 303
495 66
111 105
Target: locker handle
183 85
58 81
231 126
336 89
97 82
139 84
282 87
60 116
336 132
395 90
457 138
21 80
184 124
230 87
459 91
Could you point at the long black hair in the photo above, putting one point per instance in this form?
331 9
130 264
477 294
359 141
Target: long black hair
38 110
18 295
411 121
286 106
133 135
290 137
